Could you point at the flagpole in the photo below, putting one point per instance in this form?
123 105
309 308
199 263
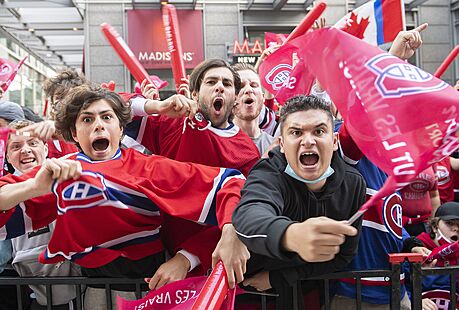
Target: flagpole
307 22
125 53
448 60
174 44
214 291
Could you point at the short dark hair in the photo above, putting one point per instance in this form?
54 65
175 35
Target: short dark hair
198 73
242 66
82 97
60 85
303 103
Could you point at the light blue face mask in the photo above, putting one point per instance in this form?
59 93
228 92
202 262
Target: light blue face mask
292 173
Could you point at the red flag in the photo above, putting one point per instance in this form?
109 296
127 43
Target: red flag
444 253
3 138
272 39
8 71
283 73
401 117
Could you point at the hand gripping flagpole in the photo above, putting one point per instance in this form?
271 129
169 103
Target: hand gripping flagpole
445 64
307 22
125 53
174 44
214 291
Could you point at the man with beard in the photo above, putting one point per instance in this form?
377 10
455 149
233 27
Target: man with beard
176 130
249 104
206 137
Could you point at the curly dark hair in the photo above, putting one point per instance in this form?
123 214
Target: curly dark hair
82 97
199 72
56 88
303 103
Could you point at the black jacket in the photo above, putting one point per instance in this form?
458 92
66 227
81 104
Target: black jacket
271 200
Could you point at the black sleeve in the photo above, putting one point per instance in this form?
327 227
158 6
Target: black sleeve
347 250
258 217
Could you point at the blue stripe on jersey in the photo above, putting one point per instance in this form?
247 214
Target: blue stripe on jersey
15 226
212 215
131 200
132 129
83 157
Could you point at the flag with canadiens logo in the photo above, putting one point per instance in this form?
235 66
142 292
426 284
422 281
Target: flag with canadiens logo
8 71
283 73
376 22
401 117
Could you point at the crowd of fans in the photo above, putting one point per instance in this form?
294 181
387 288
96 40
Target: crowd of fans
220 175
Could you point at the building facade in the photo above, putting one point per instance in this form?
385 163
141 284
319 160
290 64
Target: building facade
228 23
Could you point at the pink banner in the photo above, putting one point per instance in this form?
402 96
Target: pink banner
401 117
8 71
179 295
3 138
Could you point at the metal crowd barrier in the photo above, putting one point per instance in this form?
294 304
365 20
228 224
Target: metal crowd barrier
393 274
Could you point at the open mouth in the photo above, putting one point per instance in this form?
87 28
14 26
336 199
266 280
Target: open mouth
218 104
309 158
28 161
100 144
249 101
454 238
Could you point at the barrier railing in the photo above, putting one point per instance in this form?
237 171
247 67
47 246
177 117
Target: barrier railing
138 285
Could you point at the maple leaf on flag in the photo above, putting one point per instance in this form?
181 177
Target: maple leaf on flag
354 27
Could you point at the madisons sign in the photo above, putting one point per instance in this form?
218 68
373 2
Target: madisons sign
147 39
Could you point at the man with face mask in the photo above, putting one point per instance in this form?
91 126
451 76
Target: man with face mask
293 203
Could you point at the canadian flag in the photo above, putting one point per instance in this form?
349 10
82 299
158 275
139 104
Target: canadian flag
376 22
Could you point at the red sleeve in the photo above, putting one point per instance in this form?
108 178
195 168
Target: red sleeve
349 150
59 148
29 215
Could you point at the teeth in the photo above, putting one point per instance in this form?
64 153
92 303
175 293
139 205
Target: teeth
308 153
26 161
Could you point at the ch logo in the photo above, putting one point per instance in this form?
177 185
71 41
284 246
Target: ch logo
81 190
392 213
279 76
395 79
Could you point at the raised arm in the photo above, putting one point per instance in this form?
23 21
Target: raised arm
40 184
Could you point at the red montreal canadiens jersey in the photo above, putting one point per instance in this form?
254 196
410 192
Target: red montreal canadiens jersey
114 208
195 141
59 148
445 182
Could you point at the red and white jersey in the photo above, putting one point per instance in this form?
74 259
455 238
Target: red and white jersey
415 196
195 141
114 208
59 148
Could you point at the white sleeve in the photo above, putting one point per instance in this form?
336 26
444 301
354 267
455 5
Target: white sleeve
321 94
138 106
193 259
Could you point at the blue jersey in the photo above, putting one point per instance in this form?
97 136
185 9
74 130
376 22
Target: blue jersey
382 231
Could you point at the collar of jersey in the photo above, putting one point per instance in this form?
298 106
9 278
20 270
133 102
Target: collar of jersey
229 131
82 156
